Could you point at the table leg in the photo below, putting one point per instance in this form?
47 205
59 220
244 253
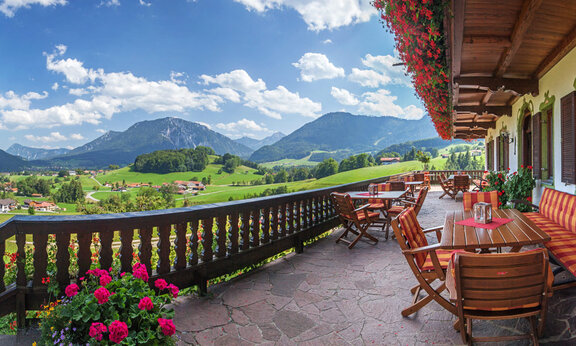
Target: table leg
515 249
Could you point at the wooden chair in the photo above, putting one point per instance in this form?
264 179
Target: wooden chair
397 186
355 220
418 176
460 183
446 186
481 183
471 198
415 203
427 262
500 286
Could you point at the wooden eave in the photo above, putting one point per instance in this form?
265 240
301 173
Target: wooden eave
498 51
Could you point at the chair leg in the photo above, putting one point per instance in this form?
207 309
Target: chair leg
534 329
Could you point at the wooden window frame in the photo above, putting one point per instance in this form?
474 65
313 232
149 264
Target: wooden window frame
568 138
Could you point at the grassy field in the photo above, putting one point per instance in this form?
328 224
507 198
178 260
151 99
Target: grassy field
305 161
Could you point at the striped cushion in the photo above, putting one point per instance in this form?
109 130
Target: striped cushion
413 233
384 187
471 198
408 178
559 207
371 214
554 230
564 250
443 257
397 209
375 203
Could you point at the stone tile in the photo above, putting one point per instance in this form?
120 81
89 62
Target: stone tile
205 315
292 323
228 340
285 284
259 312
241 297
239 317
250 333
270 332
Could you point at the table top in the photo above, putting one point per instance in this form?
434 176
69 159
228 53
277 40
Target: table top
380 195
521 231
451 177
413 182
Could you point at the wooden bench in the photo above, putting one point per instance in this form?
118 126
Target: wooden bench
556 215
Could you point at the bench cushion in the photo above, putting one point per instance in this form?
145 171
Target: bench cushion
564 250
554 230
559 207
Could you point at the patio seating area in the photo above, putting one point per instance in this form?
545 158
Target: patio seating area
330 294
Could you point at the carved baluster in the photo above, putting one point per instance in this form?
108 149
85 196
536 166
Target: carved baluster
145 247
163 251
40 258
290 216
84 252
105 256
265 225
274 212
180 246
2 264
193 259
305 214
126 251
298 216
221 223
233 233
255 227
282 220
312 211
62 260
245 230
317 208
207 239
21 279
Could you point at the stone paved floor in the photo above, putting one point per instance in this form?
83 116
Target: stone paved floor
330 295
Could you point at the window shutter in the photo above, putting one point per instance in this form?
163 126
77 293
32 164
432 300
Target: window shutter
537 145
568 124
505 153
489 153
497 165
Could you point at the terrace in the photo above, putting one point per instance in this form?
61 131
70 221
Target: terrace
323 293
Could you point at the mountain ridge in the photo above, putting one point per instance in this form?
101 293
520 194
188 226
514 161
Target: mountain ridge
30 153
256 144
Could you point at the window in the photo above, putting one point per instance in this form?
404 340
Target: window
548 147
490 155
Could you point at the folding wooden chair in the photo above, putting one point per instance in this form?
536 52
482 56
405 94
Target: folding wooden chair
446 186
500 286
355 220
427 262
415 203
460 183
481 183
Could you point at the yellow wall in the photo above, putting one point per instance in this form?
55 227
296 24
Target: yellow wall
558 82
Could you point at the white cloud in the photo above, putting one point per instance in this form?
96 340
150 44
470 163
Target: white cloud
178 77
255 95
226 93
319 14
204 124
11 100
76 136
53 137
71 68
110 3
327 41
344 97
381 72
55 86
9 7
315 66
383 103
144 3
101 130
244 127
77 91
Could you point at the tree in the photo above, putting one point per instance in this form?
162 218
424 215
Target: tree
281 177
31 210
326 168
424 158
113 167
70 193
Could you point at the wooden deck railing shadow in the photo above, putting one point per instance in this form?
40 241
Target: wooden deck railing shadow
234 235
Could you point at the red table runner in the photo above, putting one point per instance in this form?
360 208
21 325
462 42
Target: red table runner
496 222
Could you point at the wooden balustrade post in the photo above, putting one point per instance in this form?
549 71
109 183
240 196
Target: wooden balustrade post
126 251
304 214
290 216
207 239
245 230
180 246
255 227
265 216
145 247
297 217
163 266
40 259
62 260
282 220
274 222
84 252
105 257
2 265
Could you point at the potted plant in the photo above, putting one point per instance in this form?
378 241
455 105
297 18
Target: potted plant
105 308
519 186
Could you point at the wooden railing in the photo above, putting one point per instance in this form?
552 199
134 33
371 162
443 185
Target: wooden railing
435 175
233 235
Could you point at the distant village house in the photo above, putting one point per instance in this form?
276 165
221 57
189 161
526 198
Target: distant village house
389 160
7 205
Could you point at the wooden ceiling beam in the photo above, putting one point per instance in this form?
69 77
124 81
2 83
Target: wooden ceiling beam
502 41
496 110
459 8
520 86
523 23
486 125
560 51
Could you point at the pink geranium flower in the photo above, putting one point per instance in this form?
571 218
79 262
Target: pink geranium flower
96 330
167 326
118 331
160 284
71 290
145 304
102 294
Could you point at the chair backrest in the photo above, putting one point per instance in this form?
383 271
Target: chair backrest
418 176
409 178
409 234
380 187
420 199
471 198
461 181
397 186
500 282
343 205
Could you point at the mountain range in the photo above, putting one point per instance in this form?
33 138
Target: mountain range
339 133
345 131
29 153
256 144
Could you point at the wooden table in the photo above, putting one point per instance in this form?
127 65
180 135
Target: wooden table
451 177
379 195
520 232
412 185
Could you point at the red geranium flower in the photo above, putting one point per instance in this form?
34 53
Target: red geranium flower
145 304
118 331
102 294
167 326
71 290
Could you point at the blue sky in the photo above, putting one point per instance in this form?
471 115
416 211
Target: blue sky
72 70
